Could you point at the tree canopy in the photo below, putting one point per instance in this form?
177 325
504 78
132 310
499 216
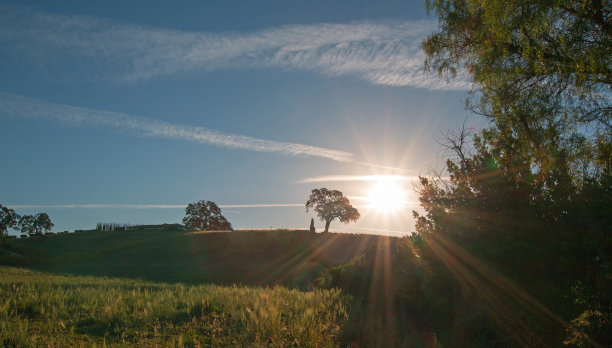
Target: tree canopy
205 216
8 219
27 224
42 223
35 224
530 195
331 204
541 72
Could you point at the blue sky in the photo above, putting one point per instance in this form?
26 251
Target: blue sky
126 111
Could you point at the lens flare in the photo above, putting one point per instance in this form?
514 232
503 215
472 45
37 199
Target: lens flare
386 196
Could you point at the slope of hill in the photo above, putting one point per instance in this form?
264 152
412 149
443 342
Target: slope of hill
373 271
291 258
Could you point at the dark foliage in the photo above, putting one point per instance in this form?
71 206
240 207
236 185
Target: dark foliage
35 224
331 204
205 216
523 224
8 219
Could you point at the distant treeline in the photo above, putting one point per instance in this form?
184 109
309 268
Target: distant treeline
112 226
117 226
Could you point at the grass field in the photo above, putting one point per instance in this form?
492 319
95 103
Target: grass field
40 309
172 288
277 288
290 258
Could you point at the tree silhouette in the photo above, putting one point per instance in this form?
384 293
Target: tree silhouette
35 224
8 219
42 223
205 216
331 204
27 224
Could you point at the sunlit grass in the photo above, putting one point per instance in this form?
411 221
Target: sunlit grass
39 309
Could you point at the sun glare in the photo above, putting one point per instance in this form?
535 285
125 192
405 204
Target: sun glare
386 196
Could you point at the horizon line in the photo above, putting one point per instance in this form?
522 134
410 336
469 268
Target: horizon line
146 206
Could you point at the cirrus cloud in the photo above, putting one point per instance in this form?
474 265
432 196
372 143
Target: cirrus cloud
381 53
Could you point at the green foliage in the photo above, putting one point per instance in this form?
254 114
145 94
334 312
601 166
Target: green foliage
564 40
331 204
205 216
41 309
541 72
523 222
544 233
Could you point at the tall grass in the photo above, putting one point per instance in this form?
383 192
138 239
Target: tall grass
39 309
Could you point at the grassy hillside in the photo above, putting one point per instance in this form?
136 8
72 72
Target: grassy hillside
375 272
263 287
292 258
39 309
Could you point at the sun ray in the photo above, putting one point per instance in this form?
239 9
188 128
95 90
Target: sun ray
386 196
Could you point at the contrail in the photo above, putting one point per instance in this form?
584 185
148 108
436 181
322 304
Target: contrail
330 178
377 178
147 206
34 109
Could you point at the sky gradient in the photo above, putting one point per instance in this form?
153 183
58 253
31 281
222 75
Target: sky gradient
126 113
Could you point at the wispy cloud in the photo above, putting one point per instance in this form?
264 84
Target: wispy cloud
263 205
23 107
381 231
98 206
147 206
345 178
382 53
365 202
373 178
386 168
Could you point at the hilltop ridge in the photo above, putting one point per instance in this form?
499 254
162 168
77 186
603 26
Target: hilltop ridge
294 258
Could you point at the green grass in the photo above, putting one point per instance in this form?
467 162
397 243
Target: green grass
277 257
276 288
296 272
41 309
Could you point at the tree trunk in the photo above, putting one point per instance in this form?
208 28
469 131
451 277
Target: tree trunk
327 222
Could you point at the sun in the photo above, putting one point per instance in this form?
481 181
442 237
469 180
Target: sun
386 196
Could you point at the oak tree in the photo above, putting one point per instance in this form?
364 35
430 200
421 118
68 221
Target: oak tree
205 216
42 223
35 224
331 204
8 219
